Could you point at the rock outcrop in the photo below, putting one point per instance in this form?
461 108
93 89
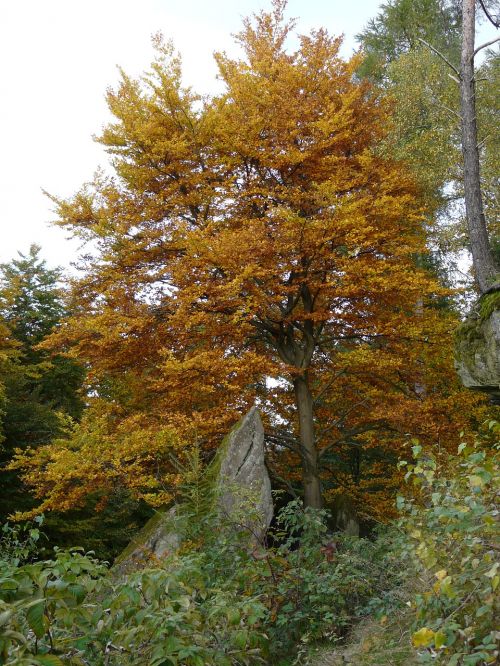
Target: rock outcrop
159 537
241 494
244 487
345 516
477 346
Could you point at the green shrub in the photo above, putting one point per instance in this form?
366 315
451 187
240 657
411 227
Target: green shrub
42 609
222 599
322 582
64 611
453 530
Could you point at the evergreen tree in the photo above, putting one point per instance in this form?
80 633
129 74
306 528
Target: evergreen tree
40 389
400 26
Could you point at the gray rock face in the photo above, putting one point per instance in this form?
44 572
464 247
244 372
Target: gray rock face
161 541
345 515
241 492
243 483
159 537
477 348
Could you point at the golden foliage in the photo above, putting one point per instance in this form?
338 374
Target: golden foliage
250 236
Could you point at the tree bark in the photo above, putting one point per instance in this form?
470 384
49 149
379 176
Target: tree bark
311 480
484 263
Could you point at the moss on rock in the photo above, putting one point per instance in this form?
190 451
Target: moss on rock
477 346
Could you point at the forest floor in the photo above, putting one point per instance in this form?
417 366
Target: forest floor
371 643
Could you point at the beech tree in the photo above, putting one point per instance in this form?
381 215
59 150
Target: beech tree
250 236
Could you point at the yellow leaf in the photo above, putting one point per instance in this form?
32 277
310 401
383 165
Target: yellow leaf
423 637
476 481
492 572
441 574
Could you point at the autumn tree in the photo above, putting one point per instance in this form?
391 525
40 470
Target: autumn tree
256 235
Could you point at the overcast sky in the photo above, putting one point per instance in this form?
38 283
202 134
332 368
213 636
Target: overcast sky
57 59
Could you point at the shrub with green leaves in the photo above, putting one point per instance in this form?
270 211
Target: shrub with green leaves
64 611
314 584
220 600
42 610
322 582
19 541
453 530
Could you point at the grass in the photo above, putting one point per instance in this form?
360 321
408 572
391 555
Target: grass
371 643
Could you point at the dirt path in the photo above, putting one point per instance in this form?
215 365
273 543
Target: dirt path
371 644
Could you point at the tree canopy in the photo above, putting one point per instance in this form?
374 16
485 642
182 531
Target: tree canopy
251 246
406 48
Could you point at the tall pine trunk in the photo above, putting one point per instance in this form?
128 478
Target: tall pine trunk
309 454
484 263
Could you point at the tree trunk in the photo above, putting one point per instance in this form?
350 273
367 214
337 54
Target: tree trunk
309 454
482 256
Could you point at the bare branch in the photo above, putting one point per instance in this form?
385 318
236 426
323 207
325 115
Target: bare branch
438 53
483 141
483 46
490 18
288 442
452 111
284 481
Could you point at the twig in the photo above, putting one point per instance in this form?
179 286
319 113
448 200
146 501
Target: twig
447 108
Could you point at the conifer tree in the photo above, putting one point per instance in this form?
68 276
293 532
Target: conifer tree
40 389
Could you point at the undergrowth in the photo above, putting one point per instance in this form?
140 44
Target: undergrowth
423 591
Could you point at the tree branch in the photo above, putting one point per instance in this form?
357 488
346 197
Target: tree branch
326 386
447 108
438 53
483 141
490 18
483 46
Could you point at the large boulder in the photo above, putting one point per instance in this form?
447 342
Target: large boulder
244 487
477 346
241 494
345 517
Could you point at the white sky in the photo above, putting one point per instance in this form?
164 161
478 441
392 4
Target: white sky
57 57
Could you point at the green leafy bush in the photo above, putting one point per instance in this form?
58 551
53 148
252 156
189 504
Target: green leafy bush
42 609
453 530
322 582
65 611
314 584
222 599
19 541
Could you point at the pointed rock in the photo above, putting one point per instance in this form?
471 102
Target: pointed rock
158 538
242 491
243 483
